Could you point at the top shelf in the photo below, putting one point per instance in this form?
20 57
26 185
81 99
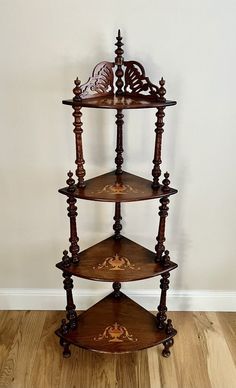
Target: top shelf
123 102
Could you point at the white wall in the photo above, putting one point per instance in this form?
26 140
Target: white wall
44 45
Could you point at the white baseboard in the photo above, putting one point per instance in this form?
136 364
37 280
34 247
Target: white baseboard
54 299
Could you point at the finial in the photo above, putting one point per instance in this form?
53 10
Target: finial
70 182
119 51
165 260
162 90
64 327
169 327
66 259
166 183
77 90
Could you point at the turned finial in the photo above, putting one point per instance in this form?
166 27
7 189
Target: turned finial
165 260
166 182
66 259
162 90
169 327
77 90
119 51
64 327
70 182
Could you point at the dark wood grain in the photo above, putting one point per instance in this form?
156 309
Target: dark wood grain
126 187
117 261
136 327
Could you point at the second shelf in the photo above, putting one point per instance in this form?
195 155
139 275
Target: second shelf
120 260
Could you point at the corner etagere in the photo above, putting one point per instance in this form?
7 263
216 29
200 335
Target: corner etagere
116 324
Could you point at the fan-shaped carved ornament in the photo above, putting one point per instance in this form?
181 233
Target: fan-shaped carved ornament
136 82
101 82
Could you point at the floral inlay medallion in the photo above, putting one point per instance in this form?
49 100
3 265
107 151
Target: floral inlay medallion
116 263
118 188
116 333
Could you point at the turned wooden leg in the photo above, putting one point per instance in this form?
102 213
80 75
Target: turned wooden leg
162 308
167 344
70 307
66 350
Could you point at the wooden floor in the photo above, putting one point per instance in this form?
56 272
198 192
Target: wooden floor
204 356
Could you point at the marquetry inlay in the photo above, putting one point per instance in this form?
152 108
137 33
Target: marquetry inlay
116 333
116 263
118 189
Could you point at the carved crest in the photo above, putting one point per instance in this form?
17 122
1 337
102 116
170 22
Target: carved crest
115 333
101 82
136 82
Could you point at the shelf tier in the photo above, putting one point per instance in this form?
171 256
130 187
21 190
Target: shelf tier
117 261
110 187
116 325
124 102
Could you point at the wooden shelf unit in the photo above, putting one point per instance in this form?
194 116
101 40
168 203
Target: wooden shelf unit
116 324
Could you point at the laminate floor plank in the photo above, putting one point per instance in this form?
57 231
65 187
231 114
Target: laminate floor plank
187 367
219 356
48 363
17 367
228 328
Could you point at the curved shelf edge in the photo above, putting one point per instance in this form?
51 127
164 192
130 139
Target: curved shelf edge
120 260
124 102
126 187
121 326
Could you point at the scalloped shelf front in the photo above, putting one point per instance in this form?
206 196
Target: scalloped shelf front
113 102
110 187
117 261
116 325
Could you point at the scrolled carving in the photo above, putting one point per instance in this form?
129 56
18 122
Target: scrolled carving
136 82
100 83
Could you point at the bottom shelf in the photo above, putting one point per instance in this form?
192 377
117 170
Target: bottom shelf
116 325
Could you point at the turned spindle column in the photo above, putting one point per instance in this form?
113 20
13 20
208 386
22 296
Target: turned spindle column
160 114
119 60
163 213
117 218
78 130
116 287
119 142
162 309
72 213
70 307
